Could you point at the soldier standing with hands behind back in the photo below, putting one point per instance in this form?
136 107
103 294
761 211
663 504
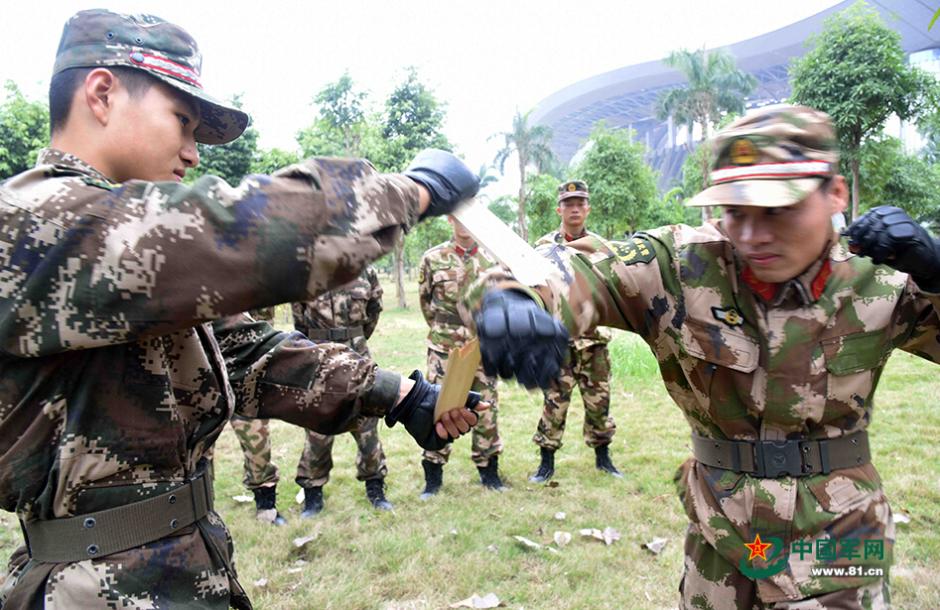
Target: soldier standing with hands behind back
588 366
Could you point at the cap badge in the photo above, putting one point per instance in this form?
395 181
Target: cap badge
743 152
572 187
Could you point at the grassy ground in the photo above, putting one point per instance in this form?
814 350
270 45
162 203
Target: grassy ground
427 555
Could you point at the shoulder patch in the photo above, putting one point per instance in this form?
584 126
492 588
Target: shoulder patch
731 317
634 250
102 184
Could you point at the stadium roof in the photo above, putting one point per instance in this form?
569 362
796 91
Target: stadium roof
626 97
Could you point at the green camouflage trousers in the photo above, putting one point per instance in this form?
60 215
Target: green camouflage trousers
255 439
589 368
485 441
709 582
313 469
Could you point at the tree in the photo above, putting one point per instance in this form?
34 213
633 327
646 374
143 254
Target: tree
623 187
540 207
530 143
270 160
24 130
232 161
856 72
890 176
413 120
343 126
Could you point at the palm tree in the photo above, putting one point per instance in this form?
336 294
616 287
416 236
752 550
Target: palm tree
715 86
531 145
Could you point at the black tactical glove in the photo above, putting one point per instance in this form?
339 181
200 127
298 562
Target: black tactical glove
520 339
890 237
446 177
416 411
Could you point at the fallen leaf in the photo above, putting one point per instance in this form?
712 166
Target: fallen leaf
528 543
261 583
453 532
656 545
562 538
303 540
492 548
560 516
475 601
552 484
901 518
300 562
243 499
294 570
608 536
299 498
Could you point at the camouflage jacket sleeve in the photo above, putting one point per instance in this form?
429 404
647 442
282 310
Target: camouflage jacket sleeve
917 326
323 387
596 283
100 264
374 306
425 293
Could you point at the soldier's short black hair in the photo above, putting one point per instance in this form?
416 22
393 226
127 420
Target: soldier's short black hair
63 85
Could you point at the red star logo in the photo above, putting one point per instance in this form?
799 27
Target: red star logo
758 548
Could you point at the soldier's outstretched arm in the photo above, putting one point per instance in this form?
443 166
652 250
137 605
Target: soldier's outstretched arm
890 237
123 260
617 284
326 387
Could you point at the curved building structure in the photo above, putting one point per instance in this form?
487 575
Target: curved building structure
626 97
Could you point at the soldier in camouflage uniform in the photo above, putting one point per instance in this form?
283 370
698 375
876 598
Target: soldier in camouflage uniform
444 271
347 315
254 436
771 334
123 350
588 364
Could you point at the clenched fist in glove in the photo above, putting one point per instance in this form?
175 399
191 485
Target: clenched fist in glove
520 339
447 178
416 412
890 237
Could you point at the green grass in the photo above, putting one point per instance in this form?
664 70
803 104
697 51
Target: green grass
427 555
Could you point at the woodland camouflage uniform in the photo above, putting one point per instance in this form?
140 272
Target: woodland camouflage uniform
444 271
749 361
352 309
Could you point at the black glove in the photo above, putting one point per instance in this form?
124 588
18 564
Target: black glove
416 411
520 339
446 177
890 237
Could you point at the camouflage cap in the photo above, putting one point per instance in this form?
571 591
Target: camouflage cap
772 157
572 188
101 38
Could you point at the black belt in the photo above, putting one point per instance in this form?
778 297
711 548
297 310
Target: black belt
450 319
773 459
335 334
117 529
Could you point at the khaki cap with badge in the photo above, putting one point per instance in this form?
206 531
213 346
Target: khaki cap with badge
572 188
101 38
774 156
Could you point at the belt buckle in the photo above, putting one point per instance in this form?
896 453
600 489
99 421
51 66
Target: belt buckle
335 334
773 459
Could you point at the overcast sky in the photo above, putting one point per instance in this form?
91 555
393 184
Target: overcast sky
485 58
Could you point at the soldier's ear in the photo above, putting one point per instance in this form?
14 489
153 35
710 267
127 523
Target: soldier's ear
558 210
838 194
98 94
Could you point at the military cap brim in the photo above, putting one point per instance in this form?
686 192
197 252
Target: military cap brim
757 193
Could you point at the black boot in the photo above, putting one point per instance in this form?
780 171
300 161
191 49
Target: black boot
313 502
375 491
489 475
265 498
546 466
433 478
603 463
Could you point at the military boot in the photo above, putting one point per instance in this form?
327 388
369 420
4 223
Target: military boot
375 491
265 499
313 502
603 463
489 475
546 466
433 478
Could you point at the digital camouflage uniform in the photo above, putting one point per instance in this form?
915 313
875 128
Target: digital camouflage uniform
444 271
254 435
588 368
751 361
123 357
355 307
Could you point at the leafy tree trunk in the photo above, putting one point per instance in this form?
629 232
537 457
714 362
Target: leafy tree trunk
400 272
854 164
523 230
